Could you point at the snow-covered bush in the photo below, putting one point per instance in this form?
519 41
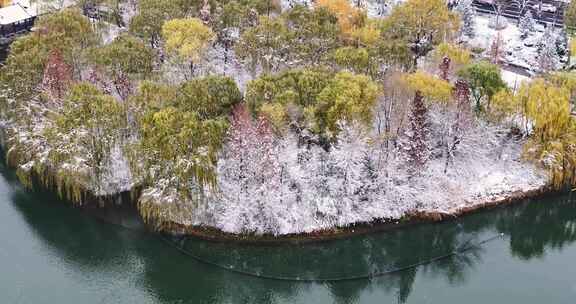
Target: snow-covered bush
527 24
311 189
548 57
468 14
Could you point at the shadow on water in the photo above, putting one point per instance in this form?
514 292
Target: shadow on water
165 274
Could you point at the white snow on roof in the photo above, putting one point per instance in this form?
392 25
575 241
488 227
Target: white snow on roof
12 14
513 79
31 8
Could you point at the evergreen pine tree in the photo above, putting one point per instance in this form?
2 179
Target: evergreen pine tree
548 57
467 12
417 150
527 24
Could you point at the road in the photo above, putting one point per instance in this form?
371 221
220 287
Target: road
513 10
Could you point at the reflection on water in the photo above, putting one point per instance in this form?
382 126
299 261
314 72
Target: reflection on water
50 253
355 258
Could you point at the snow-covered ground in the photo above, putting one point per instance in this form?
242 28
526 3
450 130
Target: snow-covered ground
302 190
290 188
518 51
514 79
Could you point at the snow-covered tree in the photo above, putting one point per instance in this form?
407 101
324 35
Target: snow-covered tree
57 75
382 6
548 57
468 14
417 147
499 6
497 49
205 15
250 172
527 24
562 43
462 122
354 164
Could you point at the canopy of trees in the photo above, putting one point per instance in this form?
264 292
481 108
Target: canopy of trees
324 103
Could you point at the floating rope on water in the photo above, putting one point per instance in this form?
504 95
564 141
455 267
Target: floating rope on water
466 247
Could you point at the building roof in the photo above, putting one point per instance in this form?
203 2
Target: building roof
12 14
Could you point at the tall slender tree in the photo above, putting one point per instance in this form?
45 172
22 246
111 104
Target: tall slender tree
417 150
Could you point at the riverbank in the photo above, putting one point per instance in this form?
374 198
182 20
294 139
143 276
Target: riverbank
494 186
85 260
379 225
400 158
121 210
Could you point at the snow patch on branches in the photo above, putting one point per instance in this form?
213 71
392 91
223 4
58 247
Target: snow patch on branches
116 176
278 186
522 46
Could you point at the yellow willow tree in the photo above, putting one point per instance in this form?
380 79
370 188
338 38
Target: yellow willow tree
188 39
431 87
553 141
422 24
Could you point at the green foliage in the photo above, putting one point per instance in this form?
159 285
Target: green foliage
546 105
422 24
354 59
210 97
24 66
297 87
570 16
152 96
110 9
484 80
237 13
299 36
431 87
181 130
125 55
88 126
313 98
348 97
88 108
312 34
264 45
152 14
66 31
180 144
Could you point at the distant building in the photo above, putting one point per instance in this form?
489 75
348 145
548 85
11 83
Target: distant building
14 19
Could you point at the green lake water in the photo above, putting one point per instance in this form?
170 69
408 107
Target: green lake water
52 253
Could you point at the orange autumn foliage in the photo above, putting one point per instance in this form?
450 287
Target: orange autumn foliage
349 17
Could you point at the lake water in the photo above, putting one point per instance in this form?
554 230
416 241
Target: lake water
51 253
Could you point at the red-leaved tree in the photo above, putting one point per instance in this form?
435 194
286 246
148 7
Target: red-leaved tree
57 75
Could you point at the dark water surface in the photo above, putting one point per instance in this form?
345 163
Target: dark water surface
50 253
